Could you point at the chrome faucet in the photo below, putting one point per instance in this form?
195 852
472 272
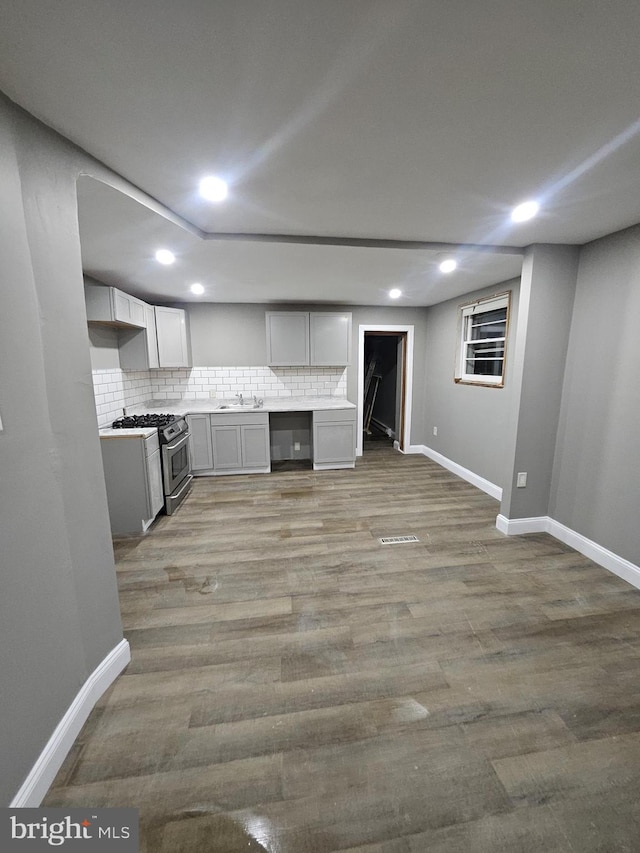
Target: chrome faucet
240 400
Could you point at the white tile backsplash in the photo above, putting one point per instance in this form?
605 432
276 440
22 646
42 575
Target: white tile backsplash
116 389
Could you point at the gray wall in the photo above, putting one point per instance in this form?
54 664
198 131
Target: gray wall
103 343
373 316
59 613
225 334
472 421
547 291
103 348
596 478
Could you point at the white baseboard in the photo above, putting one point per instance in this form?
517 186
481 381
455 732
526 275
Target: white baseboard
625 569
477 481
519 526
50 760
332 466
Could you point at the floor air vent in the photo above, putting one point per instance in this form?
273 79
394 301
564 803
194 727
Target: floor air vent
397 540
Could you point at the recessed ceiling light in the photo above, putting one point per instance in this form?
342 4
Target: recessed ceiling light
213 189
448 265
524 211
395 293
197 288
165 256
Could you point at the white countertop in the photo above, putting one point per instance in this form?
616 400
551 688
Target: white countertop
135 432
270 404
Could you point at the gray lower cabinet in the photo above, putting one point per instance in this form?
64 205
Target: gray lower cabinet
227 449
133 477
200 442
240 443
334 439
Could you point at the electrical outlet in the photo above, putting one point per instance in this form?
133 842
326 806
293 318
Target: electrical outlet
435 430
521 480
296 445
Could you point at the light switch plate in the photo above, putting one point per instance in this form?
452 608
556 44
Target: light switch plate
521 480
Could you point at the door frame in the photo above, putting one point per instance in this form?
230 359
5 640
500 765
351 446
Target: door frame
404 440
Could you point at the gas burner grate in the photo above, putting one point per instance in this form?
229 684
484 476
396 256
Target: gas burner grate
150 420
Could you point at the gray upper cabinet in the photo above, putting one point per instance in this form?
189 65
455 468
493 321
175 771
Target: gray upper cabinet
139 347
302 339
287 338
171 333
113 307
151 337
330 338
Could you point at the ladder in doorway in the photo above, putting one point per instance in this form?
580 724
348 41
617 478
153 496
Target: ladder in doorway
371 383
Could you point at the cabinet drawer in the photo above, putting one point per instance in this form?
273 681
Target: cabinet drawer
334 416
239 418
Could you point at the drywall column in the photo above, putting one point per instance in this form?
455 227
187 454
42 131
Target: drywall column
597 470
59 613
544 318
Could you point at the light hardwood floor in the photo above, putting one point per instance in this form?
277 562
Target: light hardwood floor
297 687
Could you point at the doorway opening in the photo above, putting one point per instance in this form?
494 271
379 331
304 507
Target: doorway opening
384 385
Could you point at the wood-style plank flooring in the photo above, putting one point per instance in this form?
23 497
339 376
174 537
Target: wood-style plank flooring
297 687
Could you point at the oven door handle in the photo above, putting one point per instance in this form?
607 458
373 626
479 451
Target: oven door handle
184 437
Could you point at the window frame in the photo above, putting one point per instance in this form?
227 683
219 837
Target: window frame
469 309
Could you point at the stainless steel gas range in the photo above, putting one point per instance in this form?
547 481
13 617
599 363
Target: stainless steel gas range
173 435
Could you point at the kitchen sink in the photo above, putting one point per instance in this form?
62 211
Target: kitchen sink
237 406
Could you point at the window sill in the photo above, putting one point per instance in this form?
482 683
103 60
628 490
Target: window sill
478 383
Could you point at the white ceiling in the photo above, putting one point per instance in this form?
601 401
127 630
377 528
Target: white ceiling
119 237
384 119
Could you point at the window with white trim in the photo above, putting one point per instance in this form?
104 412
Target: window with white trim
483 341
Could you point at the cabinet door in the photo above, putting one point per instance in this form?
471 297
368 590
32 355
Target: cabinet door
226 446
133 478
151 337
287 338
256 451
334 442
154 480
200 442
137 311
121 306
171 329
330 338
